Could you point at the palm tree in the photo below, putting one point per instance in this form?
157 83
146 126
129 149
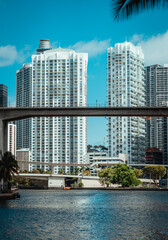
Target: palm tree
77 170
82 169
123 9
8 168
61 171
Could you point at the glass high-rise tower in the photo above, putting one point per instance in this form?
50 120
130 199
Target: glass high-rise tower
23 99
126 87
3 95
156 77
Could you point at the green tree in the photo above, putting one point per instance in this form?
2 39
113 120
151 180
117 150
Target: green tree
89 146
123 9
8 168
21 181
96 147
106 175
86 172
83 168
103 148
61 171
76 171
41 170
155 172
138 172
124 175
80 184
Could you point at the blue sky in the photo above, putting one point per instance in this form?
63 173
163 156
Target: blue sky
85 26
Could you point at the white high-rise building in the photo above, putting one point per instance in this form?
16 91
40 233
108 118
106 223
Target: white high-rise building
23 99
59 79
12 138
126 87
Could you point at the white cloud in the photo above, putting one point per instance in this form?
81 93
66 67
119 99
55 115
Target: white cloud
9 55
93 48
155 48
137 38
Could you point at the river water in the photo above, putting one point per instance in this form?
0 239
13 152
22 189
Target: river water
85 214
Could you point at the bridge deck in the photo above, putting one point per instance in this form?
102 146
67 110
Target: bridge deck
11 114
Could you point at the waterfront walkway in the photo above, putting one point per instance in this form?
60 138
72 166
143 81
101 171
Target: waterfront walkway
8 196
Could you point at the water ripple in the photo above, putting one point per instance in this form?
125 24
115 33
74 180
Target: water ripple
78 215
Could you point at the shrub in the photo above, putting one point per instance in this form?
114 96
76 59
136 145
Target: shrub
35 171
80 185
48 172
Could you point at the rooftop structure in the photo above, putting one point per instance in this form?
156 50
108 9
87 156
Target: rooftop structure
44 45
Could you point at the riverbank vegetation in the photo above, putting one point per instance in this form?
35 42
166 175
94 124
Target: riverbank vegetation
120 174
123 175
155 172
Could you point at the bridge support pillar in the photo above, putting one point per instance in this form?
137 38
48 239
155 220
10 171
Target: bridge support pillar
3 135
56 182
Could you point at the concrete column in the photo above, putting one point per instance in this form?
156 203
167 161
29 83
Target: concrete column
3 135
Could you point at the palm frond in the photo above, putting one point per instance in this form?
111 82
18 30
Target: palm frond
8 166
123 9
118 6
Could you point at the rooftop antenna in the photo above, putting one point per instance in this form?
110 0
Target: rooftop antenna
104 141
126 38
59 45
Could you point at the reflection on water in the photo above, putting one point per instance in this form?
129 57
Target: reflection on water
84 215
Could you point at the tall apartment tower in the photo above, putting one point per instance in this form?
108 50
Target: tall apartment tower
156 77
126 88
3 95
59 79
12 138
23 99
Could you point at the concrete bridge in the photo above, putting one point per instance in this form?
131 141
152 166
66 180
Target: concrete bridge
59 181
12 114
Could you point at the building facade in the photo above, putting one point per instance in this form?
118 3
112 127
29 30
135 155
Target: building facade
153 156
23 157
3 95
12 138
156 77
23 99
126 87
59 79
99 162
97 154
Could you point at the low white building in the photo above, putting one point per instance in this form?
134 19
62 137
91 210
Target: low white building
102 162
95 154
